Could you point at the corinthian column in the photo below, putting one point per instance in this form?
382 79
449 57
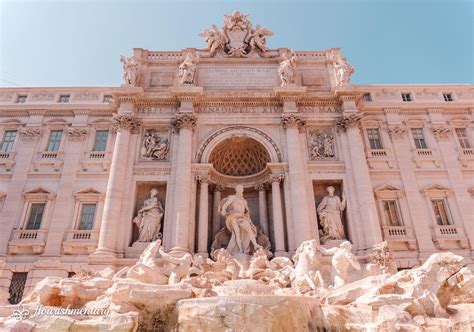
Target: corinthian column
296 170
278 227
262 206
185 124
203 227
348 124
216 216
123 125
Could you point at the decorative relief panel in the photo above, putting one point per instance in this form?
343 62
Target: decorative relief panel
162 78
155 145
6 96
86 95
43 96
321 143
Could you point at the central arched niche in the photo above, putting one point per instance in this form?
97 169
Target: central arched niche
239 156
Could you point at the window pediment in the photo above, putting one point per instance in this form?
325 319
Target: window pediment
89 194
436 190
388 191
39 194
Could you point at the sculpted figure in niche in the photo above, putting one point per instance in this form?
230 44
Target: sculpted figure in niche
330 210
154 146
237 218
130 70
149 218
286 71
186 70
342 260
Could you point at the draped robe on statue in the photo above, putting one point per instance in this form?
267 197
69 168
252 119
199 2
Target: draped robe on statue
236 212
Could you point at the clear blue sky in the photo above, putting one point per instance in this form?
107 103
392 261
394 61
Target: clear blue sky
78 43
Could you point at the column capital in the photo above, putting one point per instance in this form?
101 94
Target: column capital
76 134
397 132
30 133
261 187
348 120
185 120
441 132
276 177
217 187
125 122
202 178
292 121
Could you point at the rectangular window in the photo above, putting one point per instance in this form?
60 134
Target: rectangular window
21 99
374 139
419 138
17 286
441 212
8 140
108 98
462 137
87 216
36 216
390 210
406 97
64 98
448 96
100 142
54 140
366 97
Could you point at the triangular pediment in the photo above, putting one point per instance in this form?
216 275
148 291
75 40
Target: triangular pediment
38 190
387 187
89 190
436 187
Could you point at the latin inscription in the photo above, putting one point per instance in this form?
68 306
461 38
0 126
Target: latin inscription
238 77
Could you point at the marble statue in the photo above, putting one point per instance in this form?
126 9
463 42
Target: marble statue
236 212
185 291
223 236
343 69
258 38
187 69
329 211
149 218
130 70
286 71
342 260
154 146
237 38
306 274
214 39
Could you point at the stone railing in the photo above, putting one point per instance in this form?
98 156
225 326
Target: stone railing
7 159
82 235
311 55
27 240
93 159
468 152
378 153
446 234
80 241
400 234
424 152
157 56
50 154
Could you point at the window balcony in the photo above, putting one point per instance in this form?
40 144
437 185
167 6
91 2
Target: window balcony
27 241
379 156
445 236
96 159
80 241
421 156
7 159
401 234
465 156
53 158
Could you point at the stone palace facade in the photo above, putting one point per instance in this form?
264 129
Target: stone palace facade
78 165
